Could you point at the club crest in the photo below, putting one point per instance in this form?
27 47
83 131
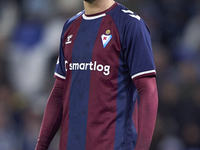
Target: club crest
106 38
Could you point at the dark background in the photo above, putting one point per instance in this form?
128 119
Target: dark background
29 40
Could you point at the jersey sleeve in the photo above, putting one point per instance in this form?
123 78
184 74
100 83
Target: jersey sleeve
60 72
137 48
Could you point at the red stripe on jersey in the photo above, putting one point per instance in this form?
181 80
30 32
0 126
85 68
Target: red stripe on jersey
70 35
102 109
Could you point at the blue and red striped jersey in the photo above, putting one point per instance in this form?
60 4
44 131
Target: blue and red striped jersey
100 56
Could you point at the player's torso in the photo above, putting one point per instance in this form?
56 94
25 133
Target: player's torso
92 49
94 91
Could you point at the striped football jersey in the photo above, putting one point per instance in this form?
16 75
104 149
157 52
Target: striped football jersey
99 58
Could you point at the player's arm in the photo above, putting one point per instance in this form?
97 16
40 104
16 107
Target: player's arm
147 112
52 116
139 57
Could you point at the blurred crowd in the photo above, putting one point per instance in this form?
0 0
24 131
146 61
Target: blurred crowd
29 40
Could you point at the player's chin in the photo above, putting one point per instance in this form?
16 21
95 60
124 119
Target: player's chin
89 1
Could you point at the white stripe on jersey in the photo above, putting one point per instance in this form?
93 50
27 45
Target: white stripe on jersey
60 76
93 17
143 73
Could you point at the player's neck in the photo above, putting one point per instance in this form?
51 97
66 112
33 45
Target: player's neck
97 6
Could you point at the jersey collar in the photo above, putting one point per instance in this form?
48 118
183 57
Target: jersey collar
99 15
93 17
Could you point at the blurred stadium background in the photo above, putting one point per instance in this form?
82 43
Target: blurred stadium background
29 40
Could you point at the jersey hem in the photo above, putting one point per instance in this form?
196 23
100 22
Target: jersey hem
58 76
144 74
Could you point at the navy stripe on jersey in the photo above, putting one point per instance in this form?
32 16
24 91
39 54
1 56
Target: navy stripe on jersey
79 95
67 53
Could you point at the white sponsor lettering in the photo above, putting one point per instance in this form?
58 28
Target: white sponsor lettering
93 66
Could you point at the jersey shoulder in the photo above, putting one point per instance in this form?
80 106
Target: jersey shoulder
123 14
125 18
69 22
128 22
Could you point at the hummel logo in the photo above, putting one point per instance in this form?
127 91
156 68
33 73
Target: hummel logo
68 39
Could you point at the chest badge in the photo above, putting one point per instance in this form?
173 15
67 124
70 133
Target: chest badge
106 38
